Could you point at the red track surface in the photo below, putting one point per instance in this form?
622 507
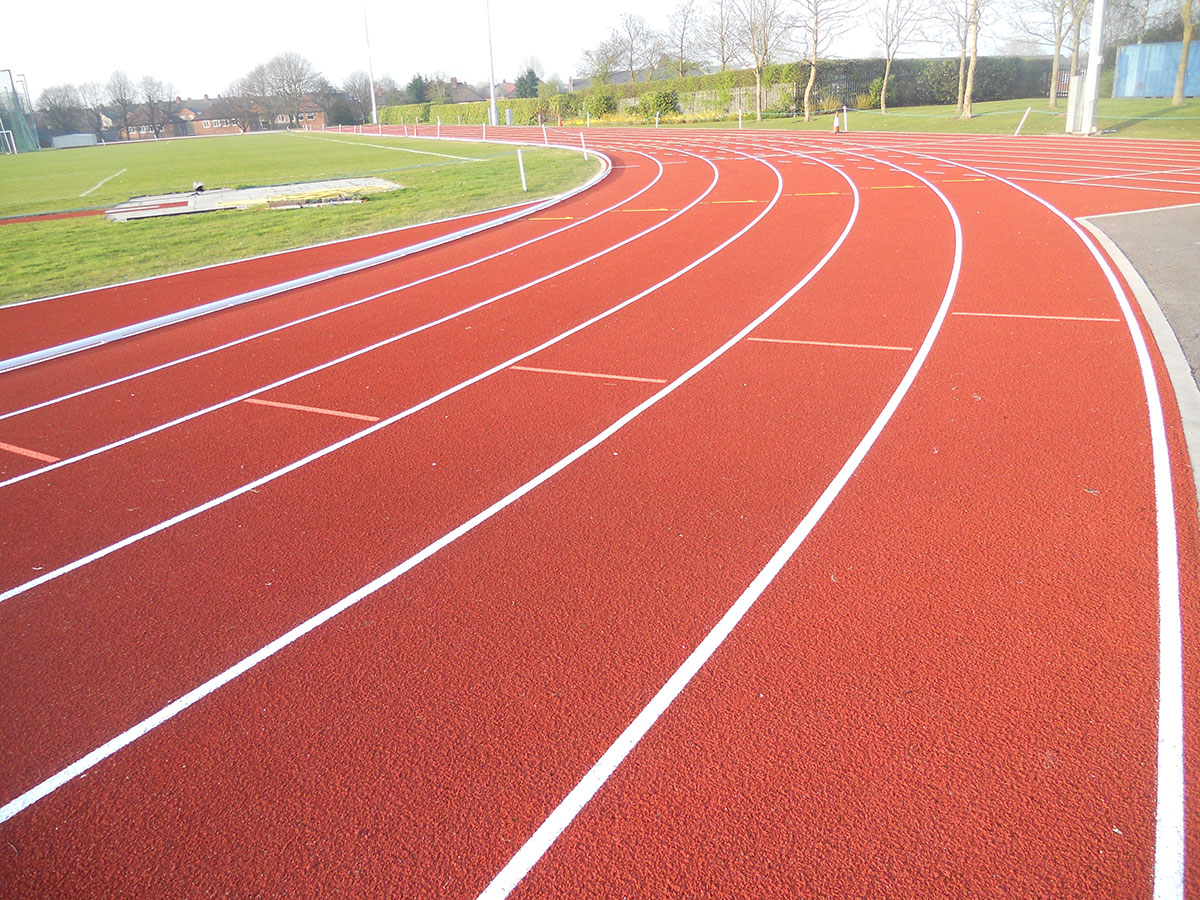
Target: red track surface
950 689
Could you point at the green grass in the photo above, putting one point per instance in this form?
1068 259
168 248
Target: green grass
51 257
1147 118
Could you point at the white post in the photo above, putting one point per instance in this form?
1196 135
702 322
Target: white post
739 119
583 144
588 113
545 138
845 119
439 131
521 164
656 120
1091 82
1021 124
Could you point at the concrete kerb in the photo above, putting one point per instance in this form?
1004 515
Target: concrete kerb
1187 394
174 318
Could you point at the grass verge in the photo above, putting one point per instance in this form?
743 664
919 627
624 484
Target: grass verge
57 256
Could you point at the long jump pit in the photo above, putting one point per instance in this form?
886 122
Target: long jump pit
278 196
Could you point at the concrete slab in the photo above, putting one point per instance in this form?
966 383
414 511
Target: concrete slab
337 190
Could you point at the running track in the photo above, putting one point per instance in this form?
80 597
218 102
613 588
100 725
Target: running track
782 516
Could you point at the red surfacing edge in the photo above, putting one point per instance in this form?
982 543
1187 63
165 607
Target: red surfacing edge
49 217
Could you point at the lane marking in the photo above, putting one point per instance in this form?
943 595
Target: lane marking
371 347
736 201
551 218
168 712
325 312
32 454
891 187
566 811
412 410
103 182
818 194
828 344
1170 822
401 149
313 409
658 209
589 374
957 180
1031 316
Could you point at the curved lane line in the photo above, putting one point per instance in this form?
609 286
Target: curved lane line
168 712
325 312
571 805
353 354
1170 823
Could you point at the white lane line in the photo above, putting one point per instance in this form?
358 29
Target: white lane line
828 344
331 310
562 816
400 149
351 355
103 182
168 712
314 409
412 410
1170 824
987 315
590 374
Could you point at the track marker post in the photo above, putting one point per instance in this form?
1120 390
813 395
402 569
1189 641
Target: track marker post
588 113
521 166
439 131
1021 124
583 144
545 139
739 120
656 120
845 119
485 131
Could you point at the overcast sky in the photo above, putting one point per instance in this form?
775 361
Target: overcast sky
201 48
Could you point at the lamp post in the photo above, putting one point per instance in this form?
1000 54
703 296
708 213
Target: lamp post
1091 82
495 120
370 69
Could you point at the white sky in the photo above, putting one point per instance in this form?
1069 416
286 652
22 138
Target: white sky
201 48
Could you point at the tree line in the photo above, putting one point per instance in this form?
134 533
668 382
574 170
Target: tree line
754 34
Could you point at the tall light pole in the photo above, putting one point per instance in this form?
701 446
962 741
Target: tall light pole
370 69
1091 82
491 66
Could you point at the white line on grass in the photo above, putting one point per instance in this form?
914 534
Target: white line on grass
400 149
103 182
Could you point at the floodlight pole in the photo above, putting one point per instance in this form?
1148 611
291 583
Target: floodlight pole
1091 82
370 69
495 119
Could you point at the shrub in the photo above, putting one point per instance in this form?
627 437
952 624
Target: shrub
662 103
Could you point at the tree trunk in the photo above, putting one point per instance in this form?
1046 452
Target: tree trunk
758 73
808 88
1189 26
962 78
1054 67
970 88
887 71
1076 28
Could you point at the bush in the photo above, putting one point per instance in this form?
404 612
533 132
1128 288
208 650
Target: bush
600 103
875 92
660 103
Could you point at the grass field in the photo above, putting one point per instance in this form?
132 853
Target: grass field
1147 118
56 256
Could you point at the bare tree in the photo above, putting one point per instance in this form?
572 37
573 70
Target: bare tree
681 34
954 18
290 77
599 62
358 88
156 100
895 23
1188 13
61 108
1046 21
1078 10
241 105
974 15
123 95
719 33
822 22
91 94
256 88
638 45
764 30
